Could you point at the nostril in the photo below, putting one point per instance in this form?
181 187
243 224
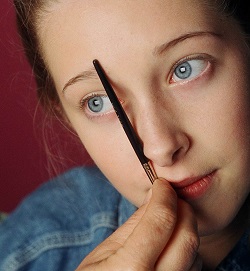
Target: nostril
167 151
177 154
161 156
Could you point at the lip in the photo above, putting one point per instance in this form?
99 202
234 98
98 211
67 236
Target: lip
194 187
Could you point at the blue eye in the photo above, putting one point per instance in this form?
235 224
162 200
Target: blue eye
189 69
97 104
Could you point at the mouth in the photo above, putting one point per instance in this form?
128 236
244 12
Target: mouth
193 188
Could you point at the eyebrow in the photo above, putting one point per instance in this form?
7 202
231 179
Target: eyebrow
158 50
88 74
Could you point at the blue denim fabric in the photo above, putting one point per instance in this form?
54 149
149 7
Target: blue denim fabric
61 222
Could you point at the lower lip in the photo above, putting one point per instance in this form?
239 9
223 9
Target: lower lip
196 189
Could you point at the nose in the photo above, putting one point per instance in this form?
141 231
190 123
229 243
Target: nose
164 142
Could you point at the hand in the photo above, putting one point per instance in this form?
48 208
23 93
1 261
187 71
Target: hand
161 235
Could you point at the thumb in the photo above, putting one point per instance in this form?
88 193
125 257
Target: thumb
155 227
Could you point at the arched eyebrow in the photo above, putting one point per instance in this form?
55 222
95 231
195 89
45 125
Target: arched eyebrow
88 74
159 50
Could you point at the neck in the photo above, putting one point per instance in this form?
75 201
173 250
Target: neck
215 248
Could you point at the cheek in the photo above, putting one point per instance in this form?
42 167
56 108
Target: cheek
236 116
228 106
230 135
112 153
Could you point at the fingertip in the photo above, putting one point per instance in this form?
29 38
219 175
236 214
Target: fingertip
161 180
148 196
163 183
162 191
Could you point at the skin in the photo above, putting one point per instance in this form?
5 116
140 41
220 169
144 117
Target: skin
189 128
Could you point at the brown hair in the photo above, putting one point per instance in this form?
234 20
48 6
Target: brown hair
29 13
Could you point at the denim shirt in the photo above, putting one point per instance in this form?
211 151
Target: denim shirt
61 222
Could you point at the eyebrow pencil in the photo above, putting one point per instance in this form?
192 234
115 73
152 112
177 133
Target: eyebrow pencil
126 124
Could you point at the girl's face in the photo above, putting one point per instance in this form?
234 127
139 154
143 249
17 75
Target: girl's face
180 73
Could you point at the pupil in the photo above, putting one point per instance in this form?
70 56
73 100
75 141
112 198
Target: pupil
95 104
183 71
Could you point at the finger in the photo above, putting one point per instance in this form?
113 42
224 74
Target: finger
181 251
140 241
153 231
116 240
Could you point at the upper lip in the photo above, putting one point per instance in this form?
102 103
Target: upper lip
188 181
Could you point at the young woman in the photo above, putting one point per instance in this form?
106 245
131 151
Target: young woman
181 72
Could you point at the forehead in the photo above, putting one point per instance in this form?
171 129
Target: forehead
113 17
83 30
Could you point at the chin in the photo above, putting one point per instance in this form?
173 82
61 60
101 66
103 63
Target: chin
208 228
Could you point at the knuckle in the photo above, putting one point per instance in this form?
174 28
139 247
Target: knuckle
165 218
